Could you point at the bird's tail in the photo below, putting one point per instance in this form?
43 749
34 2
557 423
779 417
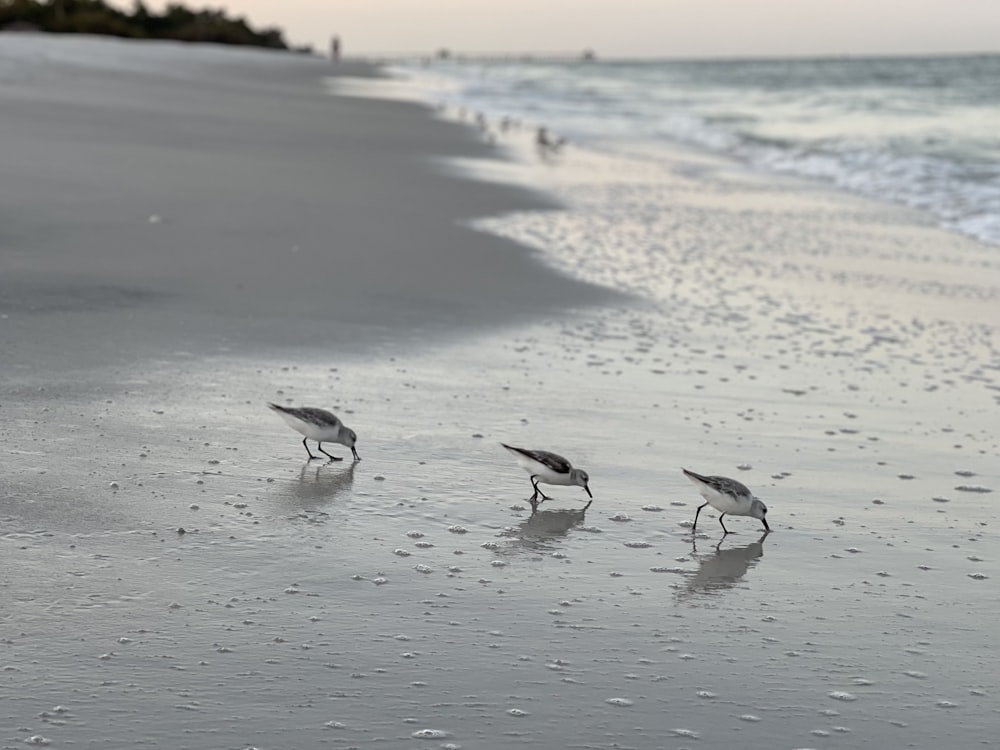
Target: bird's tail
692 475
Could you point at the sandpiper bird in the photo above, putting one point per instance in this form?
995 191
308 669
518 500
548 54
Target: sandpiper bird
550 468
319 425
727 496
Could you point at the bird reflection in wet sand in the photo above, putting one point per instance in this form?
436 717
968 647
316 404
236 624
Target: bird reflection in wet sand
322 483
722 569
539 531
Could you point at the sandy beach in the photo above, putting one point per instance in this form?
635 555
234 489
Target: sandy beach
187 234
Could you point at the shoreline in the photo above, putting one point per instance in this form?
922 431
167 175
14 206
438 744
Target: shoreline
252 196
878 154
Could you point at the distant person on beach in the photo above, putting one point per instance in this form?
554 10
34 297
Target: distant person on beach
335 49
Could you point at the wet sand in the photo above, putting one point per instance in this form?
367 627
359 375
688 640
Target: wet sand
838 356
242 196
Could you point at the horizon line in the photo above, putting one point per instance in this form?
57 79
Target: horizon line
579 56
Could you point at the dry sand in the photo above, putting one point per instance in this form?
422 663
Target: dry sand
840 352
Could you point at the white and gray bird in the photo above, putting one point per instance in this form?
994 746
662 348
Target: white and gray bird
319 425
551 468
728 497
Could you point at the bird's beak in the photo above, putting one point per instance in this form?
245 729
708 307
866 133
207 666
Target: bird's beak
764 521
358 458
587 487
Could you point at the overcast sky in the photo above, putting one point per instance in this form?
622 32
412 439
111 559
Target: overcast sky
635 28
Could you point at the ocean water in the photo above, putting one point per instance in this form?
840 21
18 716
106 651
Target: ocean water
922 132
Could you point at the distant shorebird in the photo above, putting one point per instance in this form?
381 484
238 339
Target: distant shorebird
727 496
550 468
546 143
319 425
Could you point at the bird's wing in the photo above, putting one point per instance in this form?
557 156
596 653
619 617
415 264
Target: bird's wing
318 417
723 485
552 461
728 486
309 414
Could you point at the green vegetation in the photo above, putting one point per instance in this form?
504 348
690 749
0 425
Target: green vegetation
97 17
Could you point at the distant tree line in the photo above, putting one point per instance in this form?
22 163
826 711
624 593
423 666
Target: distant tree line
97 17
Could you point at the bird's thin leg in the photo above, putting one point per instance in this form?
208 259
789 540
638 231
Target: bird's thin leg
332 458
696 514
311 456
534 483
722 524
587 505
